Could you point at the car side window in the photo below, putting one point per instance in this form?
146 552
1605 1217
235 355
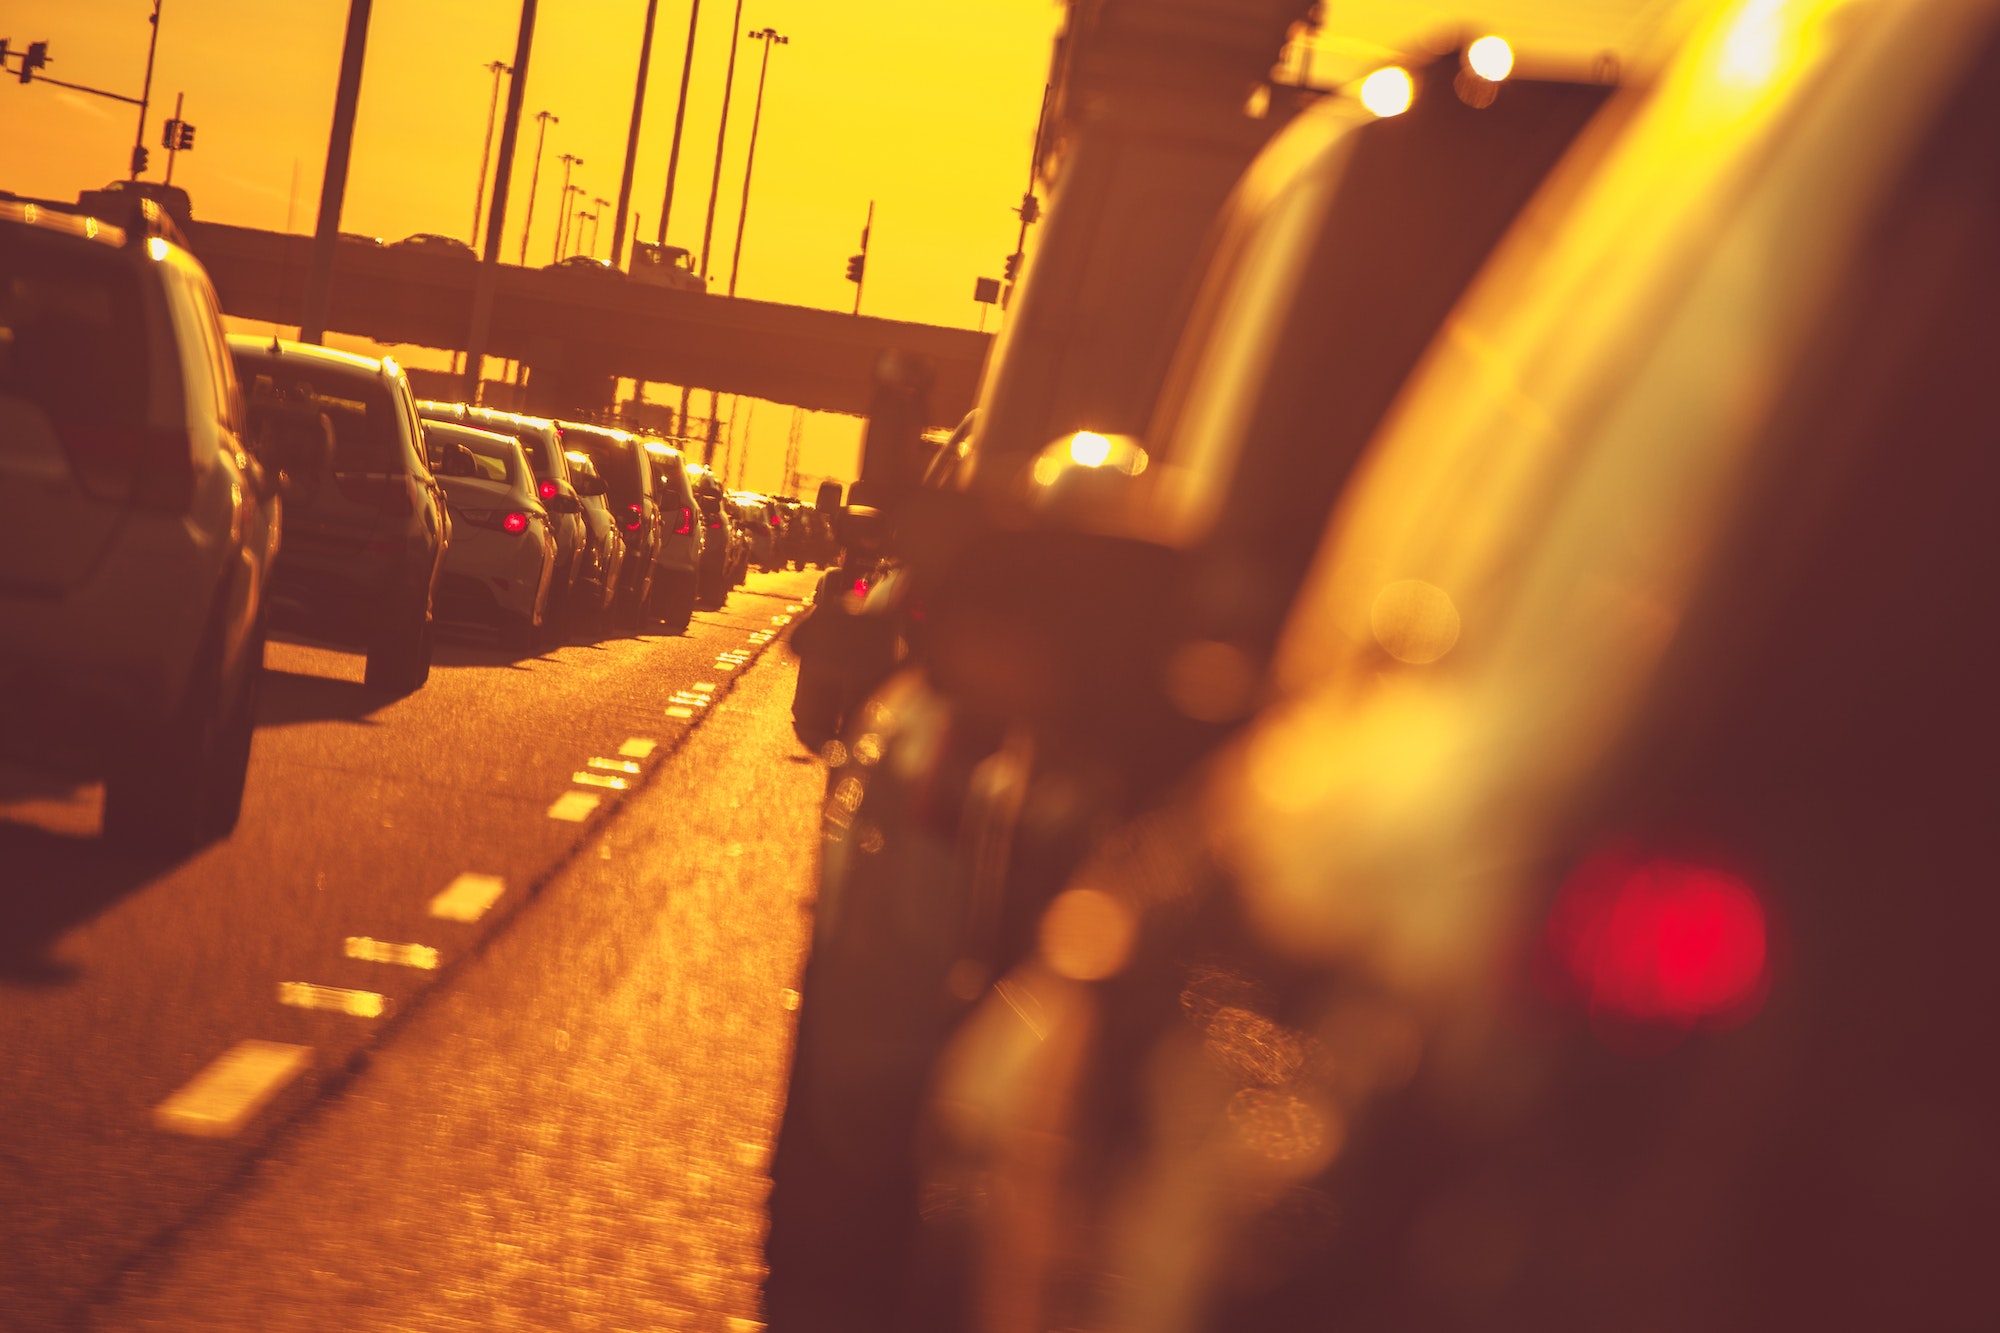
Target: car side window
202 380
417 452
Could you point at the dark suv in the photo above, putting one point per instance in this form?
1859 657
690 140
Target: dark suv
622 464
365 528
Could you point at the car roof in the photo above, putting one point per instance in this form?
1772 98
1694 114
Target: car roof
311 354
58 222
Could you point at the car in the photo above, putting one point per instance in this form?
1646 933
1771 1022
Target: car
725 548
144 525
1078 654
620 459
120 201
502 557
754 514
584 264
665 266
676 579
543 447
367 527
604 550
1594 917
428 242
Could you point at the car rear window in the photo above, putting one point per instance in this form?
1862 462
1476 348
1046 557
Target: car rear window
363 411
72 333
613 460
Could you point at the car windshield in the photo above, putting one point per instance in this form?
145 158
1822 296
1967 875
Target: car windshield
72 339
362 409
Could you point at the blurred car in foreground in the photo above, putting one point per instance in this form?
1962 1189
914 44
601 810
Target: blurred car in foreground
503 550
1076 659
1596 925
141 532
366 530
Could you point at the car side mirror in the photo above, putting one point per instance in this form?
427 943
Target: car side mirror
560 503
590 485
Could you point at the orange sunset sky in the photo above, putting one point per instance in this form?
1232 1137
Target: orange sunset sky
927 107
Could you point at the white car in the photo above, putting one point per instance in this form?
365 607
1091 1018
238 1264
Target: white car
140 528
503 550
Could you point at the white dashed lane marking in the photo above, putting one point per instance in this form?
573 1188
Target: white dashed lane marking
237 1084
332 999
467 897
604 780
603 765
401 955
639 747
574 807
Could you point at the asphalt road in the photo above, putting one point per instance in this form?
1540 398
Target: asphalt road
169 1030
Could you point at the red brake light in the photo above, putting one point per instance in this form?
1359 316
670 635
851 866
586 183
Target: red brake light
861 587
515 522
548 490
687 522
1659 941
638 519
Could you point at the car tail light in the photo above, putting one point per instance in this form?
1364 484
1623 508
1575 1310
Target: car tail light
861 587
638 519
547 490
1658 942
687 522
154 468
515 522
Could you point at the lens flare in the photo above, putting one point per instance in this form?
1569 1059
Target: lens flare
1490 58
1388 92
1089 449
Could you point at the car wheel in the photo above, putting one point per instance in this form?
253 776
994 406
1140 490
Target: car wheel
676 603
182 785
399 662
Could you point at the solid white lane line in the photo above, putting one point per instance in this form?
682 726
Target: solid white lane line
604 765
237 1084
603 780
639 747
333 999
574 807
401 955
467 897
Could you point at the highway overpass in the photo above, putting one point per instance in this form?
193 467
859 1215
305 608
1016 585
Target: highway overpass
579 332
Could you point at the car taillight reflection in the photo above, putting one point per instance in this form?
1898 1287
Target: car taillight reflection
687 522
1658 941
515 522
547 490
638 519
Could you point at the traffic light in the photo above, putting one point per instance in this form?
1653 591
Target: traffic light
1030 209
139 159
855 263
36 56
1013 268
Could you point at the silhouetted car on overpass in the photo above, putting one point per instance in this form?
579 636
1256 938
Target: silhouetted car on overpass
432 243
365 533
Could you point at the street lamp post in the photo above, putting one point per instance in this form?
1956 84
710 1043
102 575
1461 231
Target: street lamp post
632 137
596 219
581 218
503 171
721 136
768 36
680 118
570 161
498 67
541 137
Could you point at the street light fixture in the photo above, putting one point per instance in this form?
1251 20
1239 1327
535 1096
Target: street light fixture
546 119
498 67
596 218
768 36
570 162
569 216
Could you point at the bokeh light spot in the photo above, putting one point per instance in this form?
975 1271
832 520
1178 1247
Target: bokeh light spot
1414 621
1089 449
1490 58
1086 934
1388 92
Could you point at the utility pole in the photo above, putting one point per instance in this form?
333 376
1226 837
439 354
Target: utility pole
857 265
721 137
498 67
767 36
146 89
333 189
632 139
503 169
680 117
1031 207
569 162
541 138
